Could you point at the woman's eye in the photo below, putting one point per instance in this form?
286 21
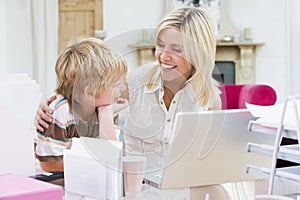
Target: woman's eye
160 45
177 50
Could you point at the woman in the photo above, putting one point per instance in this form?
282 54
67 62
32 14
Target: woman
180 81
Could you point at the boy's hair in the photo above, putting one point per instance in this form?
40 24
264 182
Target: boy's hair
87 62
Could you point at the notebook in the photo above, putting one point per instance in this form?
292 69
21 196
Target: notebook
210 148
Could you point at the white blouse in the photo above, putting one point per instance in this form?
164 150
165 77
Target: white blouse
148 125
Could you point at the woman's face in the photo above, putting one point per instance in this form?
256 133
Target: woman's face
111 93
170 55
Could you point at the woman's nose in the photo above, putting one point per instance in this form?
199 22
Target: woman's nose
165 55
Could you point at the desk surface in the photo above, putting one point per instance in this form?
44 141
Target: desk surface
237 190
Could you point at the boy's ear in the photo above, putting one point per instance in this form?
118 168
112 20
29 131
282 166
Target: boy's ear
87 92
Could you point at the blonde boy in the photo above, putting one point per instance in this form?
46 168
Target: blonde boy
89 79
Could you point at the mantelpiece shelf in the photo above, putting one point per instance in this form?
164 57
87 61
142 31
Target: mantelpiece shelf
220 44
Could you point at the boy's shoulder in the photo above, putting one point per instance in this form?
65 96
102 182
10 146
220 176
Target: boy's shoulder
61 110
59 102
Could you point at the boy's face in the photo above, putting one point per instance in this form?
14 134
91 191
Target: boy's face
111 93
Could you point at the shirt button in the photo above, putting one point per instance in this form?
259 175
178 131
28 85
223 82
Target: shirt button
162 103
174 102
168 120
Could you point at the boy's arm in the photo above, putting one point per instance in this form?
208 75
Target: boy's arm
106 123
56 166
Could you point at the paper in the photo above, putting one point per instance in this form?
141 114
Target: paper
18 103
93 162
271 115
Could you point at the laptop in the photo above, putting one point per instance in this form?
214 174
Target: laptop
210 148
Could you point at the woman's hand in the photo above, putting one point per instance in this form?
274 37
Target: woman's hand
43 115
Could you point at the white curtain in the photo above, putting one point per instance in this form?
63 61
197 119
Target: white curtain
294 12
29 40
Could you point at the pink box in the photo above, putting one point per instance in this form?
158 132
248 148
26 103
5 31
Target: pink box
17 187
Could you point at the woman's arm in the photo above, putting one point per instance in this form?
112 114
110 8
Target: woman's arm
43 115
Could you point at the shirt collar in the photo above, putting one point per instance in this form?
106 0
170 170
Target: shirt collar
156 85
187 89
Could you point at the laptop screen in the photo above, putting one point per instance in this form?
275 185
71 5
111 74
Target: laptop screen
210 148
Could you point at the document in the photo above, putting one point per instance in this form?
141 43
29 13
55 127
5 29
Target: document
19 100
271 115
93 162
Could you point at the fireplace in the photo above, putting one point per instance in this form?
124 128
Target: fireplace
224 72
237 60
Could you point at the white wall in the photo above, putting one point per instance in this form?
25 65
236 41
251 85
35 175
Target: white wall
123 21
2 38
268 22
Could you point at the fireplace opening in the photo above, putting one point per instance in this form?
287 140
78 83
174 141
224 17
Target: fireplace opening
224 72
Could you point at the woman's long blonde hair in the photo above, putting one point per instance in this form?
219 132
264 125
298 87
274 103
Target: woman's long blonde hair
199 46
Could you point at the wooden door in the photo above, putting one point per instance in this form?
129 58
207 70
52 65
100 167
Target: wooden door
78 18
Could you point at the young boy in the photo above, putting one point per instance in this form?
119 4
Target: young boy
89 79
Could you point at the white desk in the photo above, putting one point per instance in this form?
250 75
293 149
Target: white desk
239 190
229 191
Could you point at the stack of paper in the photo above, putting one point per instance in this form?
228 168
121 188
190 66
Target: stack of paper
20 99
92 168
271 115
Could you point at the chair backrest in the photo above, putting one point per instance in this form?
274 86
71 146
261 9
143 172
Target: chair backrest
234 96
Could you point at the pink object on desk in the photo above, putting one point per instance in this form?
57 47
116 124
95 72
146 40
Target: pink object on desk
16 187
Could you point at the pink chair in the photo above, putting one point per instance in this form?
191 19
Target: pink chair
234 96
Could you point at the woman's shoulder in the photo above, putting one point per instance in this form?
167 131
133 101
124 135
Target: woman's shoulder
141 71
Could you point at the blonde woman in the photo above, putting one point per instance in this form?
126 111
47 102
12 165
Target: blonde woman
89 78
180 81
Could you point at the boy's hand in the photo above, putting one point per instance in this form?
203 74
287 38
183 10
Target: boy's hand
43 115
106 127
119 105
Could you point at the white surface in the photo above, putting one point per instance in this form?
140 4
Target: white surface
18 105
92 169
271 115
